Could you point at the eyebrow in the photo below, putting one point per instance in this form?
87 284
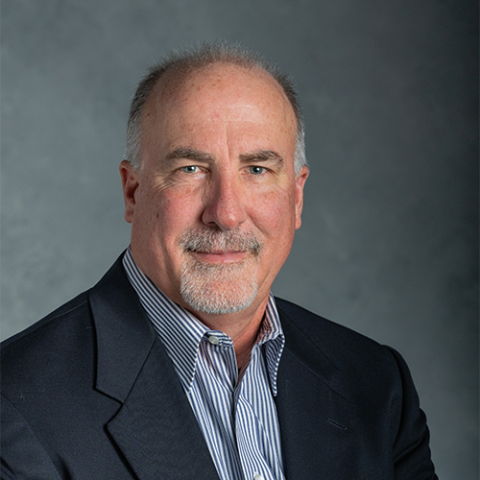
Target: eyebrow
199 156
262 156
189 154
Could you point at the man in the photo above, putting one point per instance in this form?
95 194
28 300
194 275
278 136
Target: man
179 363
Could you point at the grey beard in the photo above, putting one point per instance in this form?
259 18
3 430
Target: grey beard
213 288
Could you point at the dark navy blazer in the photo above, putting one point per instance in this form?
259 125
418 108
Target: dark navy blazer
89 393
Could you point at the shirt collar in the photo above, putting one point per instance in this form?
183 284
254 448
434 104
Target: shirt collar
181 332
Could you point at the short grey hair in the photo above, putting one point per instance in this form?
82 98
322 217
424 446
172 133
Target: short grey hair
186 61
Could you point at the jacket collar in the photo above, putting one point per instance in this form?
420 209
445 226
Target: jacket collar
124 334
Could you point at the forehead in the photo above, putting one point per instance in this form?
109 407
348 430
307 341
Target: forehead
219 93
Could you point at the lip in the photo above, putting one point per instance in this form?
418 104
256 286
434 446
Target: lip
222 257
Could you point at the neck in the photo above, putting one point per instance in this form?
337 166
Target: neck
242 327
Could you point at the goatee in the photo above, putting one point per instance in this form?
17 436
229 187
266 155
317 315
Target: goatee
219 288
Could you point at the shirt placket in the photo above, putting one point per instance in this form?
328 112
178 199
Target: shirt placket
219 355
249 432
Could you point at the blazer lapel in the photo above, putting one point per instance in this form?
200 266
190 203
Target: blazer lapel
317 423
155 428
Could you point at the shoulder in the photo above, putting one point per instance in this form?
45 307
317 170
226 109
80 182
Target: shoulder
351 353
323 356
48 346
72 308
331 337
67 331
355 366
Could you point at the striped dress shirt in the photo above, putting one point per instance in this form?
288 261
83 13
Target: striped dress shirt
235 410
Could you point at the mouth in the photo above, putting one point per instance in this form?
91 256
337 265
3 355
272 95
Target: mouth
221 257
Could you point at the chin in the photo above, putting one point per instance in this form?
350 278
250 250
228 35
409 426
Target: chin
218 289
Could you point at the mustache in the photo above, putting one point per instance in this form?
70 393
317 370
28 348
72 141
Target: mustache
210 241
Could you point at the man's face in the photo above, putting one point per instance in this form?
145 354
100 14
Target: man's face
215 202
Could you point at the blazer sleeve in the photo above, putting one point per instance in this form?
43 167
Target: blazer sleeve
412 458
22 455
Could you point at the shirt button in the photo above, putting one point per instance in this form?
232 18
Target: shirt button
257 476
214 341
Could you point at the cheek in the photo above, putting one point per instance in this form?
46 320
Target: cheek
273 211
172 211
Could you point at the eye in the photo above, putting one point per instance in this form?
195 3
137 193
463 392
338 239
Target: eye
190 169
255 170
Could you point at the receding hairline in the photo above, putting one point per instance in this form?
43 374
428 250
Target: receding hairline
172 82
173 79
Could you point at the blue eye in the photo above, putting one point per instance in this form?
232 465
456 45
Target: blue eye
190 169
256 170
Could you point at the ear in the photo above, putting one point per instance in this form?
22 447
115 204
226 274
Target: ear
299 184
130 185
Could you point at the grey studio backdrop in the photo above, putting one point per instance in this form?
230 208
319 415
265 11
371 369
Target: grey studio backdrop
388 245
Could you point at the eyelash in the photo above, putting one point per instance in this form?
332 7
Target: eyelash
189 169
186 169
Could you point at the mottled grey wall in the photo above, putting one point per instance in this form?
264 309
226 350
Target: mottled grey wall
389 242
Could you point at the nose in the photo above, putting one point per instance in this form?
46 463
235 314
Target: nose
224 205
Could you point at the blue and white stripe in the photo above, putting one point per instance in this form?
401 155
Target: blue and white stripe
235 410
